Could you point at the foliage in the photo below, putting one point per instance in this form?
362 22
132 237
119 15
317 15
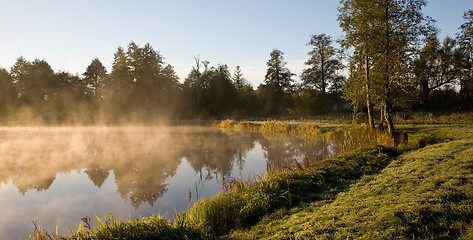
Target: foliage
275 92
141 83
323 66
437 64
465 41
210 92
383 36
7 92
94 77
277 74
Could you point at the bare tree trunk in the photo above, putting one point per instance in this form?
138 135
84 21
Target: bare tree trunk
389 120
424 88
381 123
369 106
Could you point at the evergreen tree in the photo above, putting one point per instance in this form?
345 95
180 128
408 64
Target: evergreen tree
94 77
7 92
238 80
278 84
142 83
277 74
323 64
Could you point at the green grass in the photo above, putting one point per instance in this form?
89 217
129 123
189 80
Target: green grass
244 206
154 227
419 190
423 194
429 118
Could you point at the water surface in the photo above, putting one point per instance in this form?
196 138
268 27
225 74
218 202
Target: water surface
57 175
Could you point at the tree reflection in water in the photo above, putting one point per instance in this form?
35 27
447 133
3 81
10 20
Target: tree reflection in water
142 159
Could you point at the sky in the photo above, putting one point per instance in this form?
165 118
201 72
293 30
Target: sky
70 34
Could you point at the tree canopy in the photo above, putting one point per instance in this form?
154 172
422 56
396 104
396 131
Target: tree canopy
384 36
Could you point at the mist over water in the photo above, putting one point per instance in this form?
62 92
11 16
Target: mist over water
57 175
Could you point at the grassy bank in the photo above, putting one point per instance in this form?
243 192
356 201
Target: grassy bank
419 190
245 205
424 193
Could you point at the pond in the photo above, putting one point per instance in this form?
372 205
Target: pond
57 175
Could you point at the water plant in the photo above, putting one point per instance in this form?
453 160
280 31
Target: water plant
40 233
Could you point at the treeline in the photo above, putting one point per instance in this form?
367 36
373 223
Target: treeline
143 88
389 59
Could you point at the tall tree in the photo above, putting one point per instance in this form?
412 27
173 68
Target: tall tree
436 65
238 80
120 68
278 82
35 80
465 40
143 82
277 73
7 93
323 64
385 34
210 92
94 77
18 72
357 20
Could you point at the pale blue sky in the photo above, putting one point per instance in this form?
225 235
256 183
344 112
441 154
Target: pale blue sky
69 34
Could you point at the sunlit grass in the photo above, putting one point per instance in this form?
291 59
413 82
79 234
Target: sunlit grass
154 227
243 207
425 193
419 190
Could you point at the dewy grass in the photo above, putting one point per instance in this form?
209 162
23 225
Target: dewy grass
242 208
422 194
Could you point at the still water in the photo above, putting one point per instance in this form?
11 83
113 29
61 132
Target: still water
56 176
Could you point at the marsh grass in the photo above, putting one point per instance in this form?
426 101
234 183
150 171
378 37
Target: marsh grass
40 233
228 123
351 138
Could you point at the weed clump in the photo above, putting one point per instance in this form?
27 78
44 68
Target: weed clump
352 138
228 123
